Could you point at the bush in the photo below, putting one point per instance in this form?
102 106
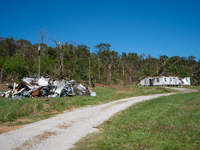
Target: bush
16 66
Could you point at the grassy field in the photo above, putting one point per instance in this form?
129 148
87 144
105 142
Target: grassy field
35 109
195 87
171 122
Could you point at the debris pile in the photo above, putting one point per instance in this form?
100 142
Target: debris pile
46 87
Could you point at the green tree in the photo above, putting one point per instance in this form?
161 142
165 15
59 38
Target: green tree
7 49
108 58
15 67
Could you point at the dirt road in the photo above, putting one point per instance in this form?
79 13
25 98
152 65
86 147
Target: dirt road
62 131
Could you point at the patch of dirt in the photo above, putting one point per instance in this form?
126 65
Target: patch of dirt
64 126
4 128
163 89
74 107
141 147
21 120
46 105
9 126
119 102
4 87
35 140
51 112
98 129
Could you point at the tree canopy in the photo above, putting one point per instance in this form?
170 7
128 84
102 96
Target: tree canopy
19 58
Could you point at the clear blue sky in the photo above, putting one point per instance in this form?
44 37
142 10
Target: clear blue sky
155 27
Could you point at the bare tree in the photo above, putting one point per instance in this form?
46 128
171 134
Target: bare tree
163 61
113 58
123 73
163 72
44 39
99 70
61 51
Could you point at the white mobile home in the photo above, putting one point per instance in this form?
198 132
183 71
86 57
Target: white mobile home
147 81
164 81
154 81
174 81
158 81
161 81
185 82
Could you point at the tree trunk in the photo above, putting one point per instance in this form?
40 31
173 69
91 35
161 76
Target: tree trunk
123 75
99 71
192 79
157 69
109 74
89 71
61 64
1 80
130 75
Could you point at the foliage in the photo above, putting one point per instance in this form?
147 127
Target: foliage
15 66
20 58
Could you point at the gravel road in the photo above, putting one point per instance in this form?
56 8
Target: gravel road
63 130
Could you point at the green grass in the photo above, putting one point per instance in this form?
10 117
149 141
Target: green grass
41 108
195 87
171 122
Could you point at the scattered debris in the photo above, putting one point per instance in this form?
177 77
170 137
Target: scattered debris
45 87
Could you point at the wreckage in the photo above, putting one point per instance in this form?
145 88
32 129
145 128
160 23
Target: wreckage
46 87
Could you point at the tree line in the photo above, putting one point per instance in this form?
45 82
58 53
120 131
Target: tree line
19 58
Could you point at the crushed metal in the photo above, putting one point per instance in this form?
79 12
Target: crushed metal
45 87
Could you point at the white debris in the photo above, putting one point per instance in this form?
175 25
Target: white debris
46 87
92 93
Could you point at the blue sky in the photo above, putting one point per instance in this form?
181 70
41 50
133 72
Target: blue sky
155 27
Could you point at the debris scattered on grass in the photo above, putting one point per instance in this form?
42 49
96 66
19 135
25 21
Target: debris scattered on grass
45 87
